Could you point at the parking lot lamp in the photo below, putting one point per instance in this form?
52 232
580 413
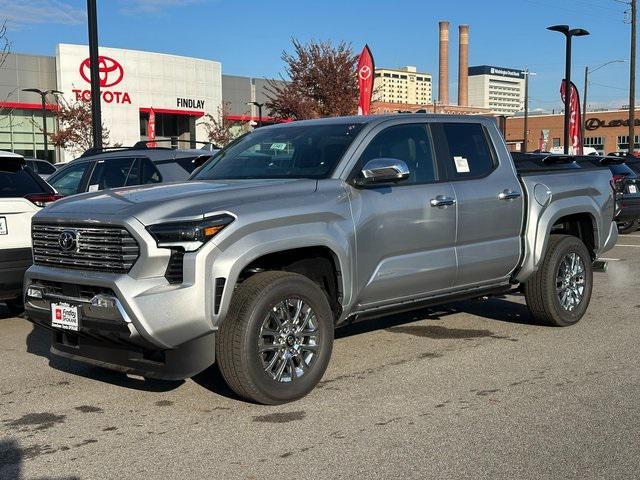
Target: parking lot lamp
259 105
568 34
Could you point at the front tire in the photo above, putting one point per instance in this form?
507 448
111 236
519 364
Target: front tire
275 343
558 294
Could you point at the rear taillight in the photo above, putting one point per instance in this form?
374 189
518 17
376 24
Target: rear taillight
43 199
617 183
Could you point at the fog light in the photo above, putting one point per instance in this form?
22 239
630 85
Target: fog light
103 301
34 292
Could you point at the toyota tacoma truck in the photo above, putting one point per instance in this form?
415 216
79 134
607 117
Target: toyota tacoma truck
295 229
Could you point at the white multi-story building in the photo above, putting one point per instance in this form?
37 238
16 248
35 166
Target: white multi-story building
402 85
497 88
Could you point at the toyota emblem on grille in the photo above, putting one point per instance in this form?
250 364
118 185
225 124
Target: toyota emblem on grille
68 240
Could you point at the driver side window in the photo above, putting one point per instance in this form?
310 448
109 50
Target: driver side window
409 143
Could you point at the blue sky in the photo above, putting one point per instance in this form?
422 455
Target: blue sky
248 36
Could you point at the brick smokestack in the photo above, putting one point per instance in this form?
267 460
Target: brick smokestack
463 66
443 78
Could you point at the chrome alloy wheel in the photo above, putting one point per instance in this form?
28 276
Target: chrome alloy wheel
288 341
570 281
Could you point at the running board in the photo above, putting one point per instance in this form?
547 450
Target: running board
429 302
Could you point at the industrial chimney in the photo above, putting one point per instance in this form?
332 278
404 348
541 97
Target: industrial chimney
463 66
443 78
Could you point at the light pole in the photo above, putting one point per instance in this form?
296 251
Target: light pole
94 67
568 33
259 105
527 73
584 94
43 97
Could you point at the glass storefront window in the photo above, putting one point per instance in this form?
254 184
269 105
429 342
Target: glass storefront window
21 132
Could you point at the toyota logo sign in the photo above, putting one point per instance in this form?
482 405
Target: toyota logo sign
109 71
68 241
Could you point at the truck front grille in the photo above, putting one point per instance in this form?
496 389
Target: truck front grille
98 248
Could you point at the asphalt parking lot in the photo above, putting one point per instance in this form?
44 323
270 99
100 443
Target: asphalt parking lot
473 389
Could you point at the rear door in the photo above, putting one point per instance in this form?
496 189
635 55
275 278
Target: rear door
490 202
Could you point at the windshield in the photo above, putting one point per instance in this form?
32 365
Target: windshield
309 151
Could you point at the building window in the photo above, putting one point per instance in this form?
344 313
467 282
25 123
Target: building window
556 142
21 132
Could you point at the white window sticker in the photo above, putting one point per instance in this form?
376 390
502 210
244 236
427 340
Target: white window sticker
462 165
278 146
93 188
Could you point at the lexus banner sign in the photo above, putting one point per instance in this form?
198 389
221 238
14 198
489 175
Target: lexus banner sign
365 80
575 119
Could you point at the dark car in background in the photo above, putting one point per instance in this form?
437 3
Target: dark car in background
626 183
41 167
126 166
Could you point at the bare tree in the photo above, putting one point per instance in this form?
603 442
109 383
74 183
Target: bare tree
74 127
5 49
321 82
220 130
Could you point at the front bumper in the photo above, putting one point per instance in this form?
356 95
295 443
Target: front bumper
108 337
13 263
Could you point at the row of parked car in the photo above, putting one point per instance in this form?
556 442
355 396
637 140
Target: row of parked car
27 185
625 171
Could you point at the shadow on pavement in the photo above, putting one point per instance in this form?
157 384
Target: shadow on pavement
39 343
5 313
495 308
12 457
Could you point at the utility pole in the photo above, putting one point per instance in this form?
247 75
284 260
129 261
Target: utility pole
584 103
632 80
96 113
525 135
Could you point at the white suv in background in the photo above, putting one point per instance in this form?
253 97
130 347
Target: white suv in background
22 193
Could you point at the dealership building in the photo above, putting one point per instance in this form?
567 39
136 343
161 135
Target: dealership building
180 90
606 131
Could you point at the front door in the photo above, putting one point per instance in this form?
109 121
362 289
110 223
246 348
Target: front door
405 232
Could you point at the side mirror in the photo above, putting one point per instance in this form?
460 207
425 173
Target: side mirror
382 170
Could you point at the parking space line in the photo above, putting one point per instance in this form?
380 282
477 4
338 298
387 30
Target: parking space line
623 245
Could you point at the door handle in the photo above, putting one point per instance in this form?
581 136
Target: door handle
508 195
441 201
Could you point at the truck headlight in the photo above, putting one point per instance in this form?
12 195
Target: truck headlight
190 236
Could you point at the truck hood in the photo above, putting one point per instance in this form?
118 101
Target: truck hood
173 201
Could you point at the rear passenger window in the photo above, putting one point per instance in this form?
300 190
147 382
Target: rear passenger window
409 143
467 150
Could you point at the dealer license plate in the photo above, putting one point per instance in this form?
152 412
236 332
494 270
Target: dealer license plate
64 316
3 226
633 189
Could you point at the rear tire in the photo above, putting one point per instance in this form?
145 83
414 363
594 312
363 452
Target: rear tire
558 294
275 343
628 227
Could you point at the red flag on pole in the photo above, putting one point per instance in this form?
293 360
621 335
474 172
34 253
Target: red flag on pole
151 129
575 118
365 80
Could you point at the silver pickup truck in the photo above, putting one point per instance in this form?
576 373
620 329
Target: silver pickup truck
298 228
